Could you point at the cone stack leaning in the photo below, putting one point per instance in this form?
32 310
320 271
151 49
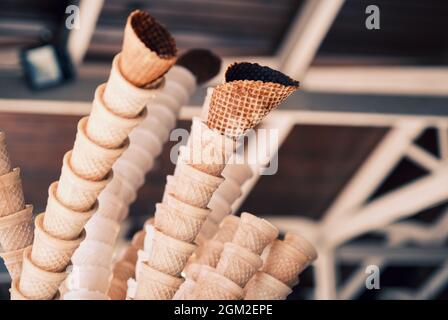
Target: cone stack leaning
16 223
146 143
118 107
285 261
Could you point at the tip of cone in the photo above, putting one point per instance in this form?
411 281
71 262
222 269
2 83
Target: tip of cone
152 34
255 72
203 63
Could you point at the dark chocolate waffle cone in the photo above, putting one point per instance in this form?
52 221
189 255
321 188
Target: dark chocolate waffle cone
249 94
148 51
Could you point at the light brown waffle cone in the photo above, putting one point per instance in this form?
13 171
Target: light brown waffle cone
238 264
195 187
107 129
229 190
16 230
148 51
182 225
90 160
285 262
75 192
15 292
220 208
209 253
169 255
301 244
93 253
262 286
11 193
227 229
130 255
36 283
193 270
94 278
254 233
124 270
124 98
207 150
238 172
186 290
62 222
50 253
249 94
138 240
5 162
156 285
117 290
214 286
13 262
102 229
208 230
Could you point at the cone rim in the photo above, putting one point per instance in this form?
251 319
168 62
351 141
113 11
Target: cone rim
132 22
18 217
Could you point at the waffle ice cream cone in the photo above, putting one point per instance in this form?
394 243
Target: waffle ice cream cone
238 264
50 253
230 190
124 270
62 222
209 253
93 278
301 244
15 292
168 254
13 262
227 229
208 230
237 172
148 51
195 187
214 286
16 230
285 262
262 286
90 160
156 285
207 150
75 192
123 97
5 162
117 290
36 283
220 207
84 294
249 94
11 193
254 233
146 139
107 129
111 206
138 239
130 255
186 290
102 229
93 253
182 225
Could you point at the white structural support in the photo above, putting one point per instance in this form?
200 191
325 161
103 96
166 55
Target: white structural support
309 29
79 38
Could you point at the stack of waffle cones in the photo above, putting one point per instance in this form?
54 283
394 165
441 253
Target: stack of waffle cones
235 175
118 107
16 224
285 261
199 169
238 261
146 142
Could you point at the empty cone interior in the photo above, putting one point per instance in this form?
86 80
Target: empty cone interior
149 50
